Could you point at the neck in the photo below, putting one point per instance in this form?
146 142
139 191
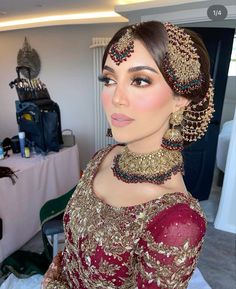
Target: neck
147 144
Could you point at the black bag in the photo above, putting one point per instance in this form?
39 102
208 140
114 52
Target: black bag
37 115
41 122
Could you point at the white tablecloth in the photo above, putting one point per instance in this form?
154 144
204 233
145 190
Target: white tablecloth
39 179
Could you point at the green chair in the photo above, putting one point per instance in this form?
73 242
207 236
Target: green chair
51 217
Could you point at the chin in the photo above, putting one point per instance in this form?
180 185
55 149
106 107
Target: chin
121 137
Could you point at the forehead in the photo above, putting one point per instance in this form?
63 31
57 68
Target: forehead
140 56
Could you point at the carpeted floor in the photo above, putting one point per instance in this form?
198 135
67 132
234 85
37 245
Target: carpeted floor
217 261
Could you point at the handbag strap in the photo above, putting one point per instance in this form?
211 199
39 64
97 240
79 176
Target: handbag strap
67 130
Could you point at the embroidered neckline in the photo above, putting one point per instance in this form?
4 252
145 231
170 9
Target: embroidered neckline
103 240
100 157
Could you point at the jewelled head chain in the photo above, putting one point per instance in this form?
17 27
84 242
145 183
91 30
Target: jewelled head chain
123 48
182 70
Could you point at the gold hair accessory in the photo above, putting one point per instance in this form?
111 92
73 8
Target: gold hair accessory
181 63
172 139
197 117
182 70
155 167
122 49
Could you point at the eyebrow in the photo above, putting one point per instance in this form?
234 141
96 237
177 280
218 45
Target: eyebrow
133 69
139 68
108 68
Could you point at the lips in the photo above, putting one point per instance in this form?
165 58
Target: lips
120 120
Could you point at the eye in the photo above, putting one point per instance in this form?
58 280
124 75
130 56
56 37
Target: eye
106 80
141 81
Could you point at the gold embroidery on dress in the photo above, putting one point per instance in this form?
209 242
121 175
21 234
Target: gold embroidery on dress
164 274
92 225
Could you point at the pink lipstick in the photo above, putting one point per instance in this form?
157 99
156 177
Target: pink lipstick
120 120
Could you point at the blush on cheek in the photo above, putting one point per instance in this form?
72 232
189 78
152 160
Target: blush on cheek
151 102
106 99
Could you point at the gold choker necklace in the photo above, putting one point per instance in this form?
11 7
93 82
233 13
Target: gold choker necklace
155 167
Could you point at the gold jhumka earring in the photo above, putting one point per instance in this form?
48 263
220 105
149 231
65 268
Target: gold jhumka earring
172 139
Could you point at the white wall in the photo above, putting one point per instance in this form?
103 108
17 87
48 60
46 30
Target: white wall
67 71
230 100
226 214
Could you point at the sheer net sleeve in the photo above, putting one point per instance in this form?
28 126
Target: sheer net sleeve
53 278
168 250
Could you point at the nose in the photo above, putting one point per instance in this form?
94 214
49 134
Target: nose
120 96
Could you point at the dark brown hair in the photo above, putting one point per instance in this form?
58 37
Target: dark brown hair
154 37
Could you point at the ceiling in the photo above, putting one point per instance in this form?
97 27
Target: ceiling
30 11
18 14
36 8
15 9
27 9
14 13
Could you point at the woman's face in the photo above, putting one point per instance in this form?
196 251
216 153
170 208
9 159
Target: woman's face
137 100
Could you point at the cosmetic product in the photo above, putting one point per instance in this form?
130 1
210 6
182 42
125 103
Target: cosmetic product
27 152
1 152
21 135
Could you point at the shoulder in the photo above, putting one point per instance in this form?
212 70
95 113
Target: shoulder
181 218
110 149
99 155
106 155
102 151
102 157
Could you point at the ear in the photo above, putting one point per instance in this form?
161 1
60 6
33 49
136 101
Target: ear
180 102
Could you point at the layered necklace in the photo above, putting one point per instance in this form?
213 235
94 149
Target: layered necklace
155 167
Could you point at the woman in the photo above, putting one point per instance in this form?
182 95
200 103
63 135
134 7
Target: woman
131 222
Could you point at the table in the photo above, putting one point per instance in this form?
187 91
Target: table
40 178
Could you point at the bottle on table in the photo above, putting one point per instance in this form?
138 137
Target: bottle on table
27 152
21 135
1 152
33 151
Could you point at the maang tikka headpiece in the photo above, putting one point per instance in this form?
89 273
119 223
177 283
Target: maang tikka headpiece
123 48
182 70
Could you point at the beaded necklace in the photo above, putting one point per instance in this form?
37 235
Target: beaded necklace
155 167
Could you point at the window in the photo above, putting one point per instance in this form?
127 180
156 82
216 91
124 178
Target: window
232 66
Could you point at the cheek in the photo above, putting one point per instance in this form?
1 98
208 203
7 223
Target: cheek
152 102
106 99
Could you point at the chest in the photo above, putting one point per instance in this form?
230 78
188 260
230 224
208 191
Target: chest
120 194
90 223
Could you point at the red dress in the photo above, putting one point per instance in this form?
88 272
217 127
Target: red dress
154 245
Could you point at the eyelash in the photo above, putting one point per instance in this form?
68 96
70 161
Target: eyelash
141 79
106 80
